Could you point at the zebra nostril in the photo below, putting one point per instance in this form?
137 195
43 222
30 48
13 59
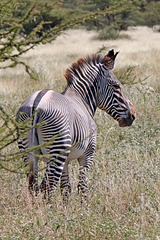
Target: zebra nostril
133 117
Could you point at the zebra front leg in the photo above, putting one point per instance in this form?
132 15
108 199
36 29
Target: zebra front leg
83 182
65 184
85 163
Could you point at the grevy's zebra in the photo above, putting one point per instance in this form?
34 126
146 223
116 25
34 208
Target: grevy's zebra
69 115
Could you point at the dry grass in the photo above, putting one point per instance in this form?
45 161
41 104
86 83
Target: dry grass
124 196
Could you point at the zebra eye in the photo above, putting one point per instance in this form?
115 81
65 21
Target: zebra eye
116 85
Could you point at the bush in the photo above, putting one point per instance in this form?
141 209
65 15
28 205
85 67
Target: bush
109 32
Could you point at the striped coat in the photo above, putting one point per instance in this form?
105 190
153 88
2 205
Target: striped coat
68 117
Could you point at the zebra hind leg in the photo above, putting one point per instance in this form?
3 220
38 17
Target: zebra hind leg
33 175
50 181
31 162
44 186
65 185
53 174
57 153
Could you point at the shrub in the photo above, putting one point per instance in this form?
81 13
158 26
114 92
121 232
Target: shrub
109 32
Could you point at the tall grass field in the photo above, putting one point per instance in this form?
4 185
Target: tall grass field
124 181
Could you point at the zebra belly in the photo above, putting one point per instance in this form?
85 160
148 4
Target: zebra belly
75 153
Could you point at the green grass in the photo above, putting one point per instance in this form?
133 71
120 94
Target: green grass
124 181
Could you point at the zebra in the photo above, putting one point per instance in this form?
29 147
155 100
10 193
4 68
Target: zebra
68 117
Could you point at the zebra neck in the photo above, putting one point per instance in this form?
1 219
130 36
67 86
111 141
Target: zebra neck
87 94
83 77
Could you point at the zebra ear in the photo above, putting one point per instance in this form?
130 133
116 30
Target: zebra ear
110 53
109 59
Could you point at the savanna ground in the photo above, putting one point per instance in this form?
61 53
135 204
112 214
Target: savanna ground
124 196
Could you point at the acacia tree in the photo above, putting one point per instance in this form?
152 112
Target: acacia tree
13 43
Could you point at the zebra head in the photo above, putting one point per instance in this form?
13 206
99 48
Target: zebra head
111 96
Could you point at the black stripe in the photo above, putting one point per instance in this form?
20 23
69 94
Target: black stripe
35 104
38 98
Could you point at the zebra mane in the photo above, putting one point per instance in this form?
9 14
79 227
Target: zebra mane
77 67
80 64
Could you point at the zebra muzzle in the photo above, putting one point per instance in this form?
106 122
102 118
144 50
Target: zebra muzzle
127 121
